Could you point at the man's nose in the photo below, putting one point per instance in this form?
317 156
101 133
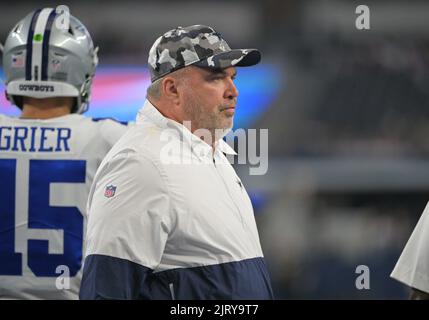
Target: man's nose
232 91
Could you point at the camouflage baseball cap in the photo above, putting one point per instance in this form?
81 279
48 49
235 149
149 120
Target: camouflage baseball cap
197 45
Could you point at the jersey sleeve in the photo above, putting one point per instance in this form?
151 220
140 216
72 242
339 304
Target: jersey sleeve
112 130
412 267
129 222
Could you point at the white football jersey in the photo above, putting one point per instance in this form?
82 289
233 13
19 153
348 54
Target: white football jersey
46 171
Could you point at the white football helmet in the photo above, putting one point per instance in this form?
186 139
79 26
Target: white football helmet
44 56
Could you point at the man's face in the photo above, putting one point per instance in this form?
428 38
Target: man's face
209 98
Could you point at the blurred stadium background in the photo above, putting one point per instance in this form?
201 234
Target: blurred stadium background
347 113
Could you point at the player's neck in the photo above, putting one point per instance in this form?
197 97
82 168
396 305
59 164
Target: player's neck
45 108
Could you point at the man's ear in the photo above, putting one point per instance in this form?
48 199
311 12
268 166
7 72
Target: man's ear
169 88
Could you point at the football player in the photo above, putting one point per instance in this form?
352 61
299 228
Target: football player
48 155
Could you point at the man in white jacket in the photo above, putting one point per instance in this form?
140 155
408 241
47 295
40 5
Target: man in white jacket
168 216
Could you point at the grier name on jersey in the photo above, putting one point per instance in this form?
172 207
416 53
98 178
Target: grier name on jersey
34 139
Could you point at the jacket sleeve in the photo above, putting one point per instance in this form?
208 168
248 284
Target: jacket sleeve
129 219
412 267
